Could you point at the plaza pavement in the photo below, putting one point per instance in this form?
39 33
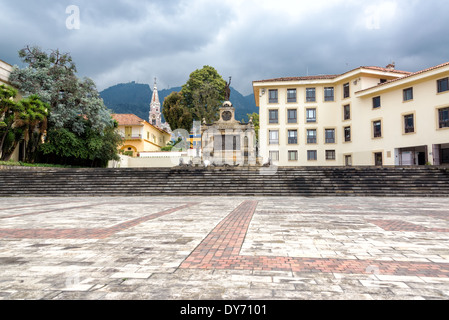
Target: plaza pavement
224 248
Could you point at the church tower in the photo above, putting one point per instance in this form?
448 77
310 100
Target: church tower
155 108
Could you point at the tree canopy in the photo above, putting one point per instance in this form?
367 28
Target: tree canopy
77 112
200 98
52 77
175 113
256 123
22 121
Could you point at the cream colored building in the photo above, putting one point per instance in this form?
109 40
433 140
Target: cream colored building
5 71
366 116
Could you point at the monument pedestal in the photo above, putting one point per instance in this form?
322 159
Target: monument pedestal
228 141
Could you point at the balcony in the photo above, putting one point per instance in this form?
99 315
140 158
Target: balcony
133 136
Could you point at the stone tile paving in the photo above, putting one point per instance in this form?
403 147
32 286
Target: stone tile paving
224 248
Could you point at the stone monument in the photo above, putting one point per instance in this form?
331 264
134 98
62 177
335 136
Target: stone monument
228 142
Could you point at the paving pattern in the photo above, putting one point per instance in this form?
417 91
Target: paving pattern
224 248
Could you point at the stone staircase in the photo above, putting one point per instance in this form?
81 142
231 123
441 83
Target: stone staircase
306 181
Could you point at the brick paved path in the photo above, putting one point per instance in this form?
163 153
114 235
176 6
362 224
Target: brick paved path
224 248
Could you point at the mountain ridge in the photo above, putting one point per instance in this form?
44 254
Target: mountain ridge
135 98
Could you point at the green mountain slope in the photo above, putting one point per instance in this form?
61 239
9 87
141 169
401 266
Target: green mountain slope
135 98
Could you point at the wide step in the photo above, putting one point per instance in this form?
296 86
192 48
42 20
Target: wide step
369 181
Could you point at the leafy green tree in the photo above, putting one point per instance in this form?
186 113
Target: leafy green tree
63 144
204 93
255 117
32 118
89 149
206 103
102 148
176 113
8 108
76 108
53 78
24 120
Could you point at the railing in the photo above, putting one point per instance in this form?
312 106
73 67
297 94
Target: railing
444 123
133 136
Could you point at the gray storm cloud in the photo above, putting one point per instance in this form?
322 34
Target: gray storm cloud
130 40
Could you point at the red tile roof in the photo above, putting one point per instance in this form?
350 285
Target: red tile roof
127 119
321 77
384 70
410 74
333 76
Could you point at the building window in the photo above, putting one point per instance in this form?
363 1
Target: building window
311 115
310 95
274 116
273 96
443 85
292 136
292 115
329 94
330 154
274 137
311 136
128 132
274 155
291 95
377 129
346 90
409 123
347 112
443 117
292 155
329 135
312 155
408 94
348 134
376 102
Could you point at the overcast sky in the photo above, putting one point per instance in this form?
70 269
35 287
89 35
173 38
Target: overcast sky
118 41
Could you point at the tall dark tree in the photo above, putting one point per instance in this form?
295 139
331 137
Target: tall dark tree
176 113
204 93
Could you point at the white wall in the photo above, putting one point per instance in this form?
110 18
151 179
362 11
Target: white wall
167 161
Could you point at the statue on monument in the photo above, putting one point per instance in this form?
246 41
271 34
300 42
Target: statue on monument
228 90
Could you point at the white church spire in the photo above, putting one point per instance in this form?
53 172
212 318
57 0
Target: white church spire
156 110
155 107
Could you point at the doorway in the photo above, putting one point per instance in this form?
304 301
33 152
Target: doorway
422 159
413 156
378 159
348 161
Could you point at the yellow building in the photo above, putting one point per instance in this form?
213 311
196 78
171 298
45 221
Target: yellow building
139 135
366 116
